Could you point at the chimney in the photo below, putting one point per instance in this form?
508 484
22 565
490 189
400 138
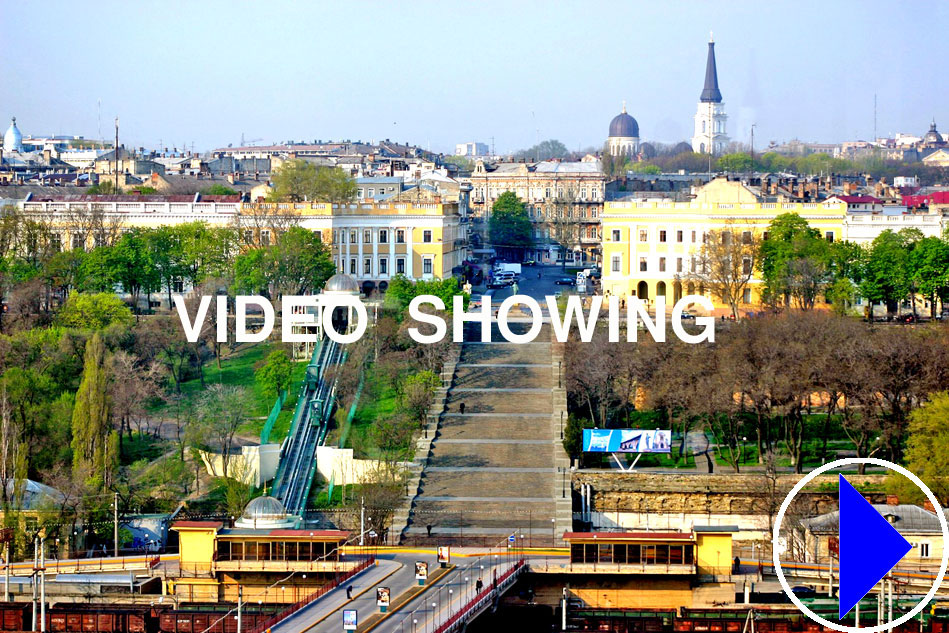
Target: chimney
892 500
928 505
230 178
47 155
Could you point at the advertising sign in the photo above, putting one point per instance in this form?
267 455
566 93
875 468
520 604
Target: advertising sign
349 620
382 596
626 441
421 570
444 554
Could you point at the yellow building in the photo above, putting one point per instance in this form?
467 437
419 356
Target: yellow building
650 569
372 242
215 561
651 248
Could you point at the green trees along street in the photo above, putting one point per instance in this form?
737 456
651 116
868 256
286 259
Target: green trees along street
298 180
509 226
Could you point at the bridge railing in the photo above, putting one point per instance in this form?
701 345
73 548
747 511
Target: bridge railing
322 591
458 619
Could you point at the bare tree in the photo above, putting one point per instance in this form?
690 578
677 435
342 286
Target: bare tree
222 410
563 220
726 264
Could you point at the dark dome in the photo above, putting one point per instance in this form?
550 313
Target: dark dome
624 125
932 136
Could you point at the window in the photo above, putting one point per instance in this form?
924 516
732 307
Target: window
384 266
360 192
616 234
367 236
662 236
383 236
372 192
400 236
427 266
265 238
662 264
678 264
248 237
746 296
616 263
643 235
427 237
352 266
765 235
367 266
746 266
56 242
830 238
178 286
692 265
642 264
746 237
924 550
726 238
353 237
693 237
400 266
679 236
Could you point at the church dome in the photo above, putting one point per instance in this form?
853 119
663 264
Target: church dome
932 136
12 139
341 282
624 125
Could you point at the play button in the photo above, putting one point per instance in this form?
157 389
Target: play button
869 547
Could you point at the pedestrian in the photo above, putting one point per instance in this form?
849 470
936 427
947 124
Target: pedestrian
737 565
429 528
538 275
461 408
349 592
479 585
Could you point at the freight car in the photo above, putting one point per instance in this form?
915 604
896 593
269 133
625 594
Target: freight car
15 616
86 618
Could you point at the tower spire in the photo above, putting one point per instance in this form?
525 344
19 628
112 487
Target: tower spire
624 106
710 92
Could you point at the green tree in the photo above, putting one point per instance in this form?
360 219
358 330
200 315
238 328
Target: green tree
573 436
927 451
795 262
738 162
545 150
418 393
129 263
402 290
274 375
219 190
886 273
298 263
509 226
104 188
297 180
929 266
95 453
94 311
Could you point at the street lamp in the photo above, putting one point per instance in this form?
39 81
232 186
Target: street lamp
743 441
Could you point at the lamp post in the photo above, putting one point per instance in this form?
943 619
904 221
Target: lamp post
743 442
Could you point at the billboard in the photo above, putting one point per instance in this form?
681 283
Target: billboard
382 596
421 570
444 554
627 441
349 620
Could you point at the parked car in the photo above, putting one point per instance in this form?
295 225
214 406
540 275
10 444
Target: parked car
565 281
686 314
528 262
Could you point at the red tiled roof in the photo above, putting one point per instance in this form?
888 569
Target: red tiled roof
936 197
628 536
209 525
859 199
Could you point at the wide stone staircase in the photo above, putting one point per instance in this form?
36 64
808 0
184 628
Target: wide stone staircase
499 468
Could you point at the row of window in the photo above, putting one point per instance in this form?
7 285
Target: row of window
695 265
623 554
381 266
522 192
381 236
539 212
370 192
270 550
663 236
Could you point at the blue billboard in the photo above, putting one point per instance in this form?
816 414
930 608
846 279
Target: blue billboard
626 441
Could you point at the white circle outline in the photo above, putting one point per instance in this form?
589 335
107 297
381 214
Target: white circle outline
849 461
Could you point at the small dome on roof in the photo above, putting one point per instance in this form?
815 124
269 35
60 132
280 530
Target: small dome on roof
624 125
341 282
264 508
12 139
933 135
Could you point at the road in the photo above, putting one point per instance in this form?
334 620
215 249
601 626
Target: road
397 571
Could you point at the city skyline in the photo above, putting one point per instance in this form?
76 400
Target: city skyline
208 75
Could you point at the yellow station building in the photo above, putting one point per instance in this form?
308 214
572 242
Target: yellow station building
650 247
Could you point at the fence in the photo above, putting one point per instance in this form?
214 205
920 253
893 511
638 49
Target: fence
272 418
322 591
481 600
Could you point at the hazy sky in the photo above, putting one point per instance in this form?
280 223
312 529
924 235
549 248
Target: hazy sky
437 73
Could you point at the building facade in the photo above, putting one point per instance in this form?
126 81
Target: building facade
710 135
652 248
564 201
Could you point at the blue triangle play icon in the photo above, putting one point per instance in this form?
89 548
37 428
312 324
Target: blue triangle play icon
869 547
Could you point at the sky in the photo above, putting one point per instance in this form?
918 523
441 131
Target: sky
438 73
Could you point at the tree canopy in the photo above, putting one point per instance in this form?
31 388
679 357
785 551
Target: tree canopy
298 180
509 225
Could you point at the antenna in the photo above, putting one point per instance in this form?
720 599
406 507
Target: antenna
874 117
99 118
